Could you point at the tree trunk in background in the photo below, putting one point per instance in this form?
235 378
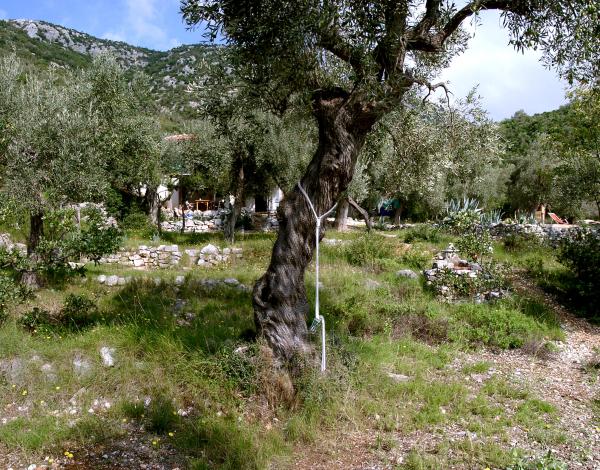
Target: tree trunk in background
279 296
238 204
398 215
182 202
362 212
31 277
341 215
154 207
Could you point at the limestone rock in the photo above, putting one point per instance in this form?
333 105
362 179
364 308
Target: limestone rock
107 355
409 273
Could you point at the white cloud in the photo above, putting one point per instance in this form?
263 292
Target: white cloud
142 24
508 80
113 36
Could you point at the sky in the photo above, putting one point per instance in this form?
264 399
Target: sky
507 81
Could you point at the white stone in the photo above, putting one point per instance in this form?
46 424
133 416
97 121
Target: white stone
112 280
138 263
230 281
102 279
210 250
107 356
179 280
398 377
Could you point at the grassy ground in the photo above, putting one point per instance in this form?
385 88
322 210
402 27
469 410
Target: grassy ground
187 395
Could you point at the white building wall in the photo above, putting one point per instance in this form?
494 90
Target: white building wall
275 199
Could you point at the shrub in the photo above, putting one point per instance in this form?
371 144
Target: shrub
369 250
425 233
78 312
514 242
135 220
9 292
416 259
475 245
35 319
502 326
581 254
96 238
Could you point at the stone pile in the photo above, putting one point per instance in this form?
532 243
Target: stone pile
449 262
212 255
166 256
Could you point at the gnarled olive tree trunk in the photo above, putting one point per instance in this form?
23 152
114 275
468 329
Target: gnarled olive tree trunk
279 297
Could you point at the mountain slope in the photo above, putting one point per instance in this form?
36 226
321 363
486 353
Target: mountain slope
172 73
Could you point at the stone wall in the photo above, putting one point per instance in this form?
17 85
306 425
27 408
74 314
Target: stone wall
196 221
550 232
166 256
213 221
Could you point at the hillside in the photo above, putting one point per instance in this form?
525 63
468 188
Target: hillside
172 73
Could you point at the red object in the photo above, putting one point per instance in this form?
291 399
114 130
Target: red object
557 219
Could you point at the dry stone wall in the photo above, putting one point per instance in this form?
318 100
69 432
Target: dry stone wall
166 256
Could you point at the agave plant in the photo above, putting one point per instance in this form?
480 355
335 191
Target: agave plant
522 217
466 205
492 217
462 216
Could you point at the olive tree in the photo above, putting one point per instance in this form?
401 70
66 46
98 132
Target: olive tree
355 61
68 142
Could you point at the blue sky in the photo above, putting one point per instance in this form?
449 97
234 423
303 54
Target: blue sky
508 81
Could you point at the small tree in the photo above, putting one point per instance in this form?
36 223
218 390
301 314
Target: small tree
69 140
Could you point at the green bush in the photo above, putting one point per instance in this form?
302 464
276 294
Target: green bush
369 250
581 254
424 232
416 259
502 326
462 216
35 319
97 239
78 312
137 221
475 245
515 242
9 292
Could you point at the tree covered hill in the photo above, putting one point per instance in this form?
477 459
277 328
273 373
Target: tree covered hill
172 74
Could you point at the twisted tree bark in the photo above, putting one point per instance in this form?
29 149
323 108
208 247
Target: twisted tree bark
279 297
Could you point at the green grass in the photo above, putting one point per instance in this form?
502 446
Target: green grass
175 350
